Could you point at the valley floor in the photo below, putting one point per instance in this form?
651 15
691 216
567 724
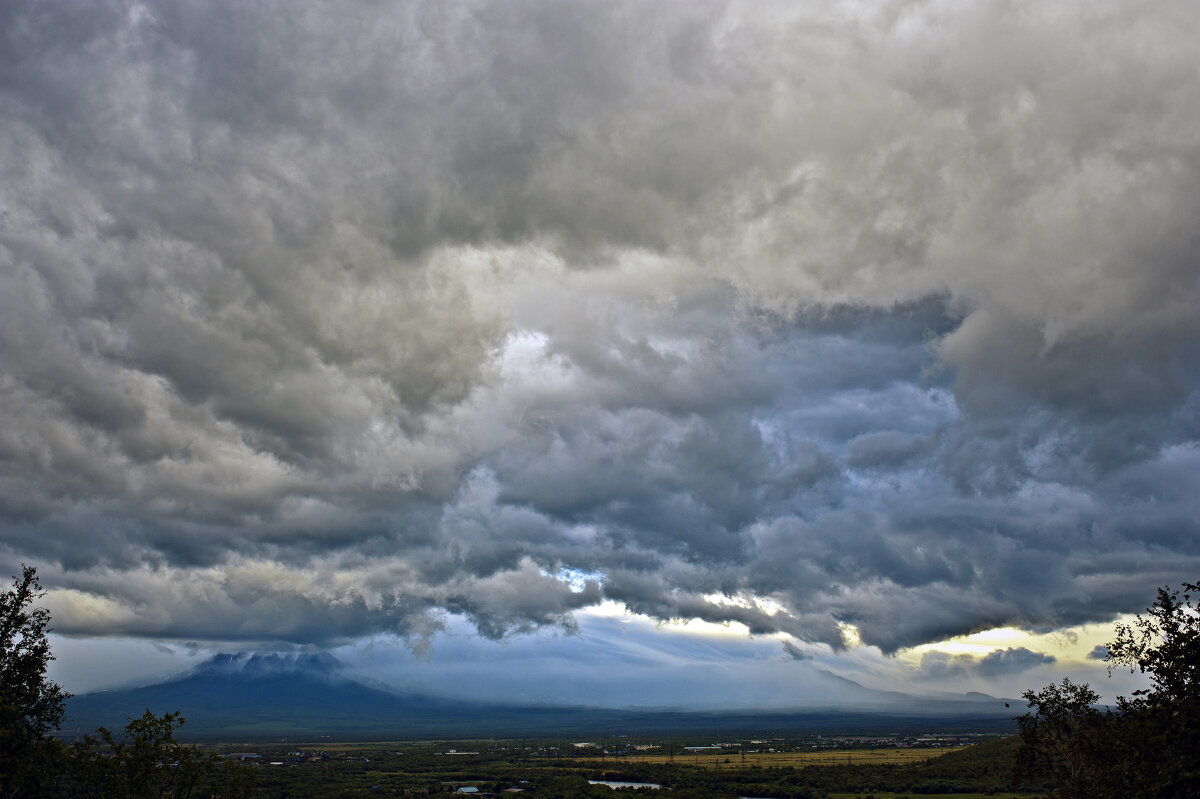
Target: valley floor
551 769
821 757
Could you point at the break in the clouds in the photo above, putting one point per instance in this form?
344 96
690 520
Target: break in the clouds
853 322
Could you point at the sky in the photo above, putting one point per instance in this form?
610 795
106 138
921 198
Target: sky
608 352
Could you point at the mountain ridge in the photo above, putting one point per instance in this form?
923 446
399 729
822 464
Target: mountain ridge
310 695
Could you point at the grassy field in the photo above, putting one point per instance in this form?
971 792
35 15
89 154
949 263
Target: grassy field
551 768
825 757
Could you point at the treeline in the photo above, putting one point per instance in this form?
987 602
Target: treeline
1149 746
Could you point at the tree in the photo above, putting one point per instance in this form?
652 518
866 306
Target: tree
30 705
1165 645
1161 725
1063 739
1148 747
148 762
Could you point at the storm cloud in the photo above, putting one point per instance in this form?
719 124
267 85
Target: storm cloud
859 324
997 663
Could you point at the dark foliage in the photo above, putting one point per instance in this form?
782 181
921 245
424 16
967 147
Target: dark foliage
1148 747
148 762
1161 726
31 707
1064 739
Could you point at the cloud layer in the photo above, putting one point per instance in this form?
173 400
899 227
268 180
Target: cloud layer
850 323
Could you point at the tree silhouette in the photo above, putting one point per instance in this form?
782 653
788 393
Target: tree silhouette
1162 724
148 763
1148 747
30 705
1062 739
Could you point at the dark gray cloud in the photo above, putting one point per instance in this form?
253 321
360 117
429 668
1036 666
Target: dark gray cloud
1010 660
795 652
321 322
995 664
886 449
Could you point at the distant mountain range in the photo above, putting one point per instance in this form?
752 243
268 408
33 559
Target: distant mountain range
309 696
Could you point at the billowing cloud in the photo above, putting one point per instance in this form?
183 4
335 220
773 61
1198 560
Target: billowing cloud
937 665
318 323
1012 659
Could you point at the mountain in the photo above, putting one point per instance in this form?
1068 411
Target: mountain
309 696
251 696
